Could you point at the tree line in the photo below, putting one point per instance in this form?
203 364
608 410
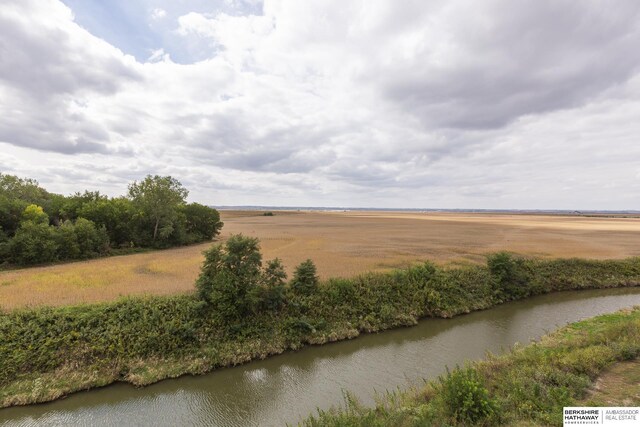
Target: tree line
37 226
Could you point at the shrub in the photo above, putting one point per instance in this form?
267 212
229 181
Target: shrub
465 398
229 275
272 292
305 279
233 282
509 274
67 241
35 214
92 241
33 244
202 222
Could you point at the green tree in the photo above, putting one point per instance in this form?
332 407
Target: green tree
24 189
509 274
115 215
229 276
35 214
67 241
72 206
4 247
92 241
33 243
305 279
11 213
270 295
202 222
158 198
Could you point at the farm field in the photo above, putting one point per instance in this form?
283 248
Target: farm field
340 243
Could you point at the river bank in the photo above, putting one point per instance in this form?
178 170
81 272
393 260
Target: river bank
50 352
528 385
286 389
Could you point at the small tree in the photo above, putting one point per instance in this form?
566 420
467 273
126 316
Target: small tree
271 294
33 243
508 273
158 198
305 279
35 214
229 276
92 241
67 241
202 222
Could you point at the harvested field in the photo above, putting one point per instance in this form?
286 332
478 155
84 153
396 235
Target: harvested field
340 243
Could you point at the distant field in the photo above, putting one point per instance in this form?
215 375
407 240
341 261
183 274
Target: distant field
340 243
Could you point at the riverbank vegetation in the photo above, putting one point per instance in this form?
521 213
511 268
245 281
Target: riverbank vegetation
245 309
37 226
526 386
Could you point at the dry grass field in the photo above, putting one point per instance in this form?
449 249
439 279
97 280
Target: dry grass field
340 243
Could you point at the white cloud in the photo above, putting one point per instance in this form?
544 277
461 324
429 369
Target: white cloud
157 14
454 104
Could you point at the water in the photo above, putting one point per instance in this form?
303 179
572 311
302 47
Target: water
289 387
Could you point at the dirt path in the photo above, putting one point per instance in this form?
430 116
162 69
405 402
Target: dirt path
618 386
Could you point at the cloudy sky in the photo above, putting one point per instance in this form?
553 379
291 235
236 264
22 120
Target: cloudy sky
438 104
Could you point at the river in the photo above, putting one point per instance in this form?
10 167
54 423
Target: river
289 387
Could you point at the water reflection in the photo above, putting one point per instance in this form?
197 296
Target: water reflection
289 387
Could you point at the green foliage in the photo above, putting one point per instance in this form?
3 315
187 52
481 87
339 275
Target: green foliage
305 278
33 243
270 295
67 241
155 215
243 310
24 189
509 274
158 198
115 215
267 214
92 241
202 222
234 284
229 276
465 398
35 214
11 214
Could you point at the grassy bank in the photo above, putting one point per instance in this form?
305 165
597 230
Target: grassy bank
527 386
49 352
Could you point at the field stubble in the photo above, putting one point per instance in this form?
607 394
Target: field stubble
341 244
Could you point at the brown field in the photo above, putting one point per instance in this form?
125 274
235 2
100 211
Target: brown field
340 243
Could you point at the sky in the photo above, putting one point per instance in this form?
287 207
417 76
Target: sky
498 104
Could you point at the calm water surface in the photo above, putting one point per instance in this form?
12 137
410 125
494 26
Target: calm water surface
287 388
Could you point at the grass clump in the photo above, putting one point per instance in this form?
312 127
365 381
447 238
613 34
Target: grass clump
465 398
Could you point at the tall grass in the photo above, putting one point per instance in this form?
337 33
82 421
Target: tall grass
527 386
47 352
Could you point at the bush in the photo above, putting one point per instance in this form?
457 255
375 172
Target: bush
509 274
67 241
35 214
92 241
33 244
229 276
271 293
465 398
305 279
234 284
4 246
202 222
